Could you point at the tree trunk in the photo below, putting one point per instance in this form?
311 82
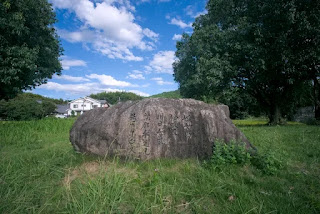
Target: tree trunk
316 92
275 115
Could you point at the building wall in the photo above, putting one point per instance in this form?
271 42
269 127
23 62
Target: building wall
82 105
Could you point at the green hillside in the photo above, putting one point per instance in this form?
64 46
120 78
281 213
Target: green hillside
39 97
170 94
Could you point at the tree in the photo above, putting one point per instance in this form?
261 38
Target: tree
114 97
39 97
241 104
48 107
26 106
23 109
170 94
250 45
29 45
306 42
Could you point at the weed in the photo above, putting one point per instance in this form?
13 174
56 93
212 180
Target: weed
230 153
267 162
237 153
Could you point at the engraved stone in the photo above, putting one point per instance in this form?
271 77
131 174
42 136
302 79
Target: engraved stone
154 128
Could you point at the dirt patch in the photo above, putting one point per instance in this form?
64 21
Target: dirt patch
183 207
94 169
70 177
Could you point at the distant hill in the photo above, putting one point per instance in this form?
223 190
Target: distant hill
114 97
170 94
42 98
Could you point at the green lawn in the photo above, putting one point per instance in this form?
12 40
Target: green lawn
40 173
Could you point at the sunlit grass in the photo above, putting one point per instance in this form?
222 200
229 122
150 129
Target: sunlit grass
259 122
41 173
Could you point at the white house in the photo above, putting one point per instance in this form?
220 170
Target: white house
81 105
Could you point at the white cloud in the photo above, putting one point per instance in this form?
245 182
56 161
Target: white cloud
68 63
77 36
177 37
83 89
135 74
109 26
145 85
109 80
148 69
200 13
162 62
143 1
160 81
180 23
71 78
150 34
191 11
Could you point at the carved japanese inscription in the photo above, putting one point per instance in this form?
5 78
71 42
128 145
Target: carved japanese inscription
187 125
146 133
132 134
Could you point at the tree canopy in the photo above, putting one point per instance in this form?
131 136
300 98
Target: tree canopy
29 45
268 49
114 97
169 94
27 106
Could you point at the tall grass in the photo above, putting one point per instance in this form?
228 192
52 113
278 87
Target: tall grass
40 173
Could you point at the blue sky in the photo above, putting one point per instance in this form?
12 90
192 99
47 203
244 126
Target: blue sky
119 45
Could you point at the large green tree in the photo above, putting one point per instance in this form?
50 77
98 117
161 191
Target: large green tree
261 47
305 43
29 45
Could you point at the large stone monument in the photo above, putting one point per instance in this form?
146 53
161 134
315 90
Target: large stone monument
154 128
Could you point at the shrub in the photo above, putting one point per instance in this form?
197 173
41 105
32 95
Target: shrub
267 163
3 109
25 108
312 122
237 153
231 153
48 107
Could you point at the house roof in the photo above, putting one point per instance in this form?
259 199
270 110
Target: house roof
86 99
91 99
61 109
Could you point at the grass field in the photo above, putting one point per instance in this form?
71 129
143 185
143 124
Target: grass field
40 173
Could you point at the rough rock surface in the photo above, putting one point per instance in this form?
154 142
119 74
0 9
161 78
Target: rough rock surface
154 128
